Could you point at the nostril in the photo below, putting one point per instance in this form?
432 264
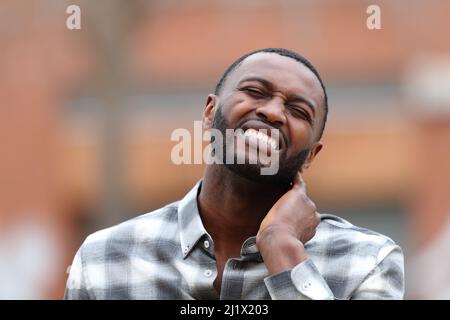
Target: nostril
277 124
262 116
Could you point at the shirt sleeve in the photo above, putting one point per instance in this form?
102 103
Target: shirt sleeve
76 288
304 281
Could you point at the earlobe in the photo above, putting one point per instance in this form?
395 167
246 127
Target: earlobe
304 167
312 155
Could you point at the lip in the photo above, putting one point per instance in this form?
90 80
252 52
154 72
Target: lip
255 124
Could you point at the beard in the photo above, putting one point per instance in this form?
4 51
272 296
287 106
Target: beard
288 167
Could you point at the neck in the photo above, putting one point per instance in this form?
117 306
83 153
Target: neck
232 207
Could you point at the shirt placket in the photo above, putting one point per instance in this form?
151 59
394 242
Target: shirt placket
208 269
232 280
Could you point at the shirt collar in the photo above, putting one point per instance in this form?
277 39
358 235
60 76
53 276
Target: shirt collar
189 221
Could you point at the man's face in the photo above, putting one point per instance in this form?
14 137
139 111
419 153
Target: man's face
269 91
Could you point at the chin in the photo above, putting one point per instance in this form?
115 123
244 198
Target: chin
252 172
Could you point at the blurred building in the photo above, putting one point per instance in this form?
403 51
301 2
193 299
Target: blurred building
86 117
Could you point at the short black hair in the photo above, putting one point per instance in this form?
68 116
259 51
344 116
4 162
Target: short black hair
285 53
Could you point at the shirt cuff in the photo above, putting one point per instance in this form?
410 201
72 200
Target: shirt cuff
303 282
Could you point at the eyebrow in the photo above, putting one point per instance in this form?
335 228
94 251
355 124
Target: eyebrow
269 85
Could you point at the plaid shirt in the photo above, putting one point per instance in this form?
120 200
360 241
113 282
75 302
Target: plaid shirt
168 254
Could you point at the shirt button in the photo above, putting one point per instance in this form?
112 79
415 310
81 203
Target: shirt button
306 285
207 273
186 249
206 244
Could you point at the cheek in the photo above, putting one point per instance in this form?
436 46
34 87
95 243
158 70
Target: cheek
237 107
301 135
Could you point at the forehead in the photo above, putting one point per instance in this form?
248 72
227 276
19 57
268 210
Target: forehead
285 73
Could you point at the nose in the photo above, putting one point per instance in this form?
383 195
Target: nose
273 112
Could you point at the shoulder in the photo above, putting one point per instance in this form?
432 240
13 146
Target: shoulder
144 229
356 262
341 236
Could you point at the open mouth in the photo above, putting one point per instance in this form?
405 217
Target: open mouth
264 135
262 138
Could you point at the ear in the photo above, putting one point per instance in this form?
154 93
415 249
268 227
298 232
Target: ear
210 110
317 146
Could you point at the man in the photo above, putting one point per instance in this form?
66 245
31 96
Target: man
239 234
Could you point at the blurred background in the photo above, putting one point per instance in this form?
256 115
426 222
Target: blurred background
86 117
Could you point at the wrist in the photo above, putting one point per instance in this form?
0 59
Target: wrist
280 250
274 231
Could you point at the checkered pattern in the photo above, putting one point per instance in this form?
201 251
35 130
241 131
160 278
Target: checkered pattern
168 254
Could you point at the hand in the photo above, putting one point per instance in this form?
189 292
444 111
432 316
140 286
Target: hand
294 213
290 223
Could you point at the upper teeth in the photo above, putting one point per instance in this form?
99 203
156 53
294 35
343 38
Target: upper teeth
261 137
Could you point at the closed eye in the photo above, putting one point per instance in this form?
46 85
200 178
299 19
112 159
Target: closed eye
254 92
299 112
